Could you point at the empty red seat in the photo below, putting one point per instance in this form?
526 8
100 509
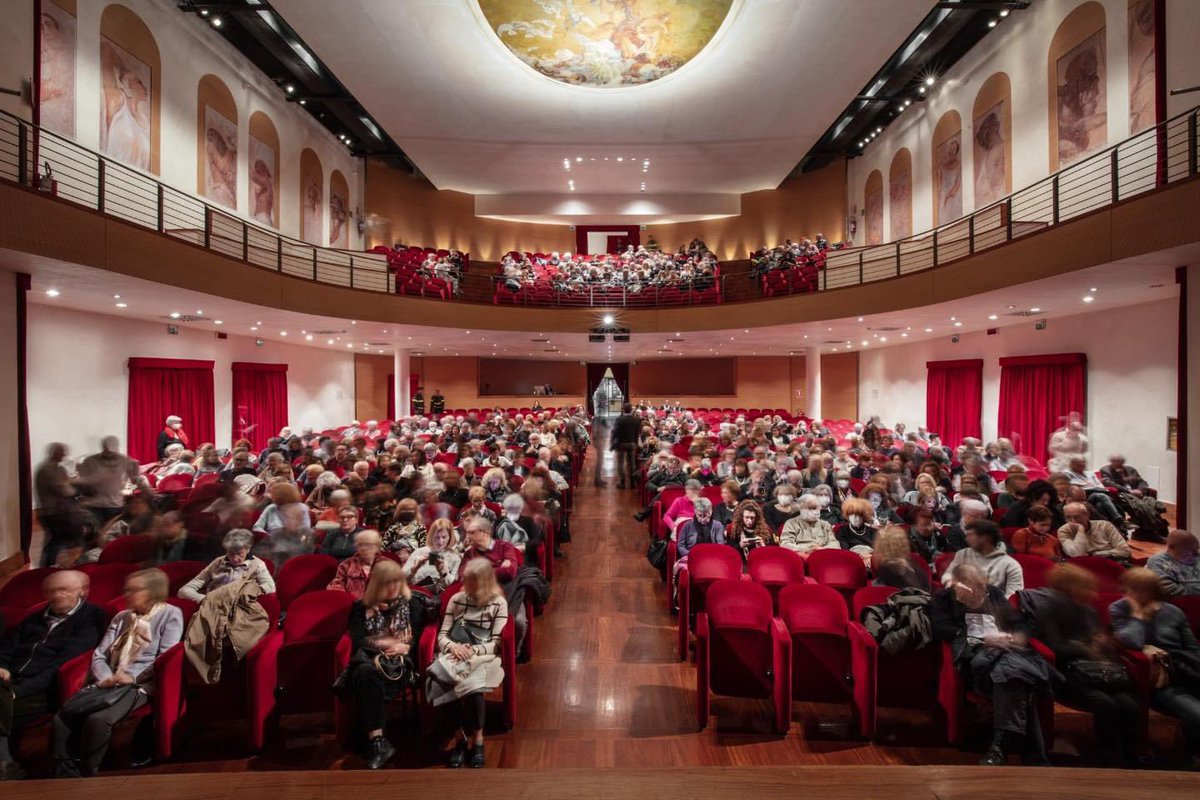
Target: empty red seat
774 568
134 549
841 570
706 564
180 572
833 658
908 679
1034 569
303 574
742 650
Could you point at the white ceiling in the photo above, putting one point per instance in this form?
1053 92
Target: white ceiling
1119 284
736 118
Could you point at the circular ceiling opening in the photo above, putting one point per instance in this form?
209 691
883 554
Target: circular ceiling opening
605 43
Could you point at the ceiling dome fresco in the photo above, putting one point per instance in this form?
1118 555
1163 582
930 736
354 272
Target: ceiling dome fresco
605 43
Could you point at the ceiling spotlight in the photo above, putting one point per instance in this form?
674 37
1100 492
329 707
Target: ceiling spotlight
1035 309
122 305
329 341
290 89
116 297
218 322
204 12
907 102
921 89
173 315
1093 289
958 324
930 81
865 343
608 319
929 330
303 102
879 129
54 293
253 327
620 158
216 21
199 313
883 338
1088 298
578 159
992 23
283 333
1004 12
992 316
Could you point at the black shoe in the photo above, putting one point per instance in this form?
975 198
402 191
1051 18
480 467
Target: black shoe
68 768
11 771
641 516
994 757
380 750
458 755
476 759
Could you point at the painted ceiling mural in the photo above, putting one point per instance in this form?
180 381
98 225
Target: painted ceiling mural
605 43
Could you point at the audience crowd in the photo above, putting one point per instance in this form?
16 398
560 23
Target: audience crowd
634 270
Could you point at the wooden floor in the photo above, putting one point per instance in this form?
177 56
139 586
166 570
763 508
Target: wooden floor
606 692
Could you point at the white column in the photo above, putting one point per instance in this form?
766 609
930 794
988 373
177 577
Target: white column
1192 320
812 382
402 368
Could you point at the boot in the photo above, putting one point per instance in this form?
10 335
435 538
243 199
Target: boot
476 761
380 750
458 755
995 757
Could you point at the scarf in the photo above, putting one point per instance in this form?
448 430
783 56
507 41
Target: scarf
178 435
134 638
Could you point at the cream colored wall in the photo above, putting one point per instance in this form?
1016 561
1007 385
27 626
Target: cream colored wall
10 515
16 55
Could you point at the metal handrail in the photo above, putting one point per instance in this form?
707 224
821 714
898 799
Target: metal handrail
92 180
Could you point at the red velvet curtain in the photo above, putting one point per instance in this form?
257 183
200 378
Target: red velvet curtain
260 401
954 399
160 387
1036 394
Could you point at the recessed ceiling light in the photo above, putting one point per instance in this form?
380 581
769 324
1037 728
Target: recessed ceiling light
122 305
329 341
929 330
54 293
253 327
953 318
1004 12
865 343
860 319
992 23
1093 289
608 319
116 297
283 333
992 316
349 344
930 81
883 338
1035 309
258 322
174 315
958 324
1088 298
904 336
218 322
216 21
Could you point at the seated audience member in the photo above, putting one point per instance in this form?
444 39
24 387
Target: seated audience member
385 626
857 533
881 504
731 495
477 501
814 474
1117 475
806 531
339 542
1097 495
468 664
236 564
969 489
1039 493
338 499
671 475
353 573
481 543
831 510
1038 537
1135 499
495 485
173 542
286 522
1160 631
407 532
988 640
682 507
700 528
32 652
1065 620
926 537
891 564
1005 456
783 509
435 566
749 529
518 529
1176 566
1084 536
985 552
121 676
433 508
1015 487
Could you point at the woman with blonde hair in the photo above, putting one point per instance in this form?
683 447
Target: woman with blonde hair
435 565
495 484
468 664
384 627
407 532
477 502
121 677
891 563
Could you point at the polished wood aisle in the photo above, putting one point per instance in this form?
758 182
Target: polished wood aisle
605 690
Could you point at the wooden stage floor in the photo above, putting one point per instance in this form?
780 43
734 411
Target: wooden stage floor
607 698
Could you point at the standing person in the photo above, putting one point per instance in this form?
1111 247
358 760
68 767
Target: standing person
437 403
625 432
172 432
56 512
31 654
102 478
418 402
600 433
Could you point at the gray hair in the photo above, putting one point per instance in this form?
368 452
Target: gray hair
237 539
810 500
975 506
702 505
513 501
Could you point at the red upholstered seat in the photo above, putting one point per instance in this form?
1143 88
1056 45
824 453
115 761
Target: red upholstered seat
24 589
906 680
1034 569
833 659
774 568
180 572
107 580
173 484
133 549
302 574
1106 571
291 670
204 479
1191 607
706 564
742 650
838 569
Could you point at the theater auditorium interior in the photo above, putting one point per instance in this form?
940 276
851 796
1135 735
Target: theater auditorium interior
628 398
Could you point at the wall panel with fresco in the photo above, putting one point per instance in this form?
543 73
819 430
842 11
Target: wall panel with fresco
216 142
991 140
947 168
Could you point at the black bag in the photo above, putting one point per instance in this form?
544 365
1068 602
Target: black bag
1184 669
656 554
464 632
399 669
90 699
1104 676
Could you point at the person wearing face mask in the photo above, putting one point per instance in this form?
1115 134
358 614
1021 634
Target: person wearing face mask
806 531
725 467
1177 566
407 532
857 533
171 433
519 530
700 528
495 485
783 509
749 529
682 508
932 501
831 509
881 504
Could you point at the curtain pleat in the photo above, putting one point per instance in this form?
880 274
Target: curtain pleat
159 388
1035 399
260 401
954 400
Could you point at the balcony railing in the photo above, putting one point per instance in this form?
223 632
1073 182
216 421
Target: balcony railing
87 178
1164 154
706 291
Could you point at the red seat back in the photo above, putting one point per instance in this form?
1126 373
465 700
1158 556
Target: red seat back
1191 608
317 615
774 568
303 574
180 572
870 596
174 483
1034 569
1107 572
839 569
107 580
740 654
24 589
133 549
815 617
314 624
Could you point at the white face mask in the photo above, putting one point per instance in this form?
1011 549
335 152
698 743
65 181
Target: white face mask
875 500
824 501
856 520
513 515
843 483
810 515
785 499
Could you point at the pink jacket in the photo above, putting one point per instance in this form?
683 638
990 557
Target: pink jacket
681 509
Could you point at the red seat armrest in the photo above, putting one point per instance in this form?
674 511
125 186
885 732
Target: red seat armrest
864 660
262 676
781 665
73 675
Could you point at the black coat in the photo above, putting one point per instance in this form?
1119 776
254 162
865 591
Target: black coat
33 653
626 430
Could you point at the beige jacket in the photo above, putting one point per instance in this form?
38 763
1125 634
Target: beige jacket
230 614
1100 539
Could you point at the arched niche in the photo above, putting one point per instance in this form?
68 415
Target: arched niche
339 211
216 142
873 208
1077 65
129 83
312 198
945 156
262 162
991 140
900 194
